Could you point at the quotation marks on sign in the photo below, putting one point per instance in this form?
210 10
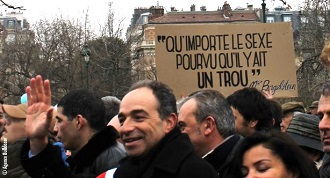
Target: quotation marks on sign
161 38
255 71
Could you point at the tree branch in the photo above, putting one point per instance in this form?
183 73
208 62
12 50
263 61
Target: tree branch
12 7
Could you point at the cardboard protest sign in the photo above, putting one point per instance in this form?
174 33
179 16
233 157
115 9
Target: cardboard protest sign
226 57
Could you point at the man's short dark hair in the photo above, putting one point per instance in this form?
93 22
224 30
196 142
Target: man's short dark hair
277 112
86 103
253 106
163 93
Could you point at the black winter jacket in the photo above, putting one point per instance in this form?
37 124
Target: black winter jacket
222 156
325 168
101 153
174 157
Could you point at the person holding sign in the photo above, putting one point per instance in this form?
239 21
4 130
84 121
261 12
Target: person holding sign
251 110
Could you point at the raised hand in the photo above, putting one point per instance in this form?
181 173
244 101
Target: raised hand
39 113
268 93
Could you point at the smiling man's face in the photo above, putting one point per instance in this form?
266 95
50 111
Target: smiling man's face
141 126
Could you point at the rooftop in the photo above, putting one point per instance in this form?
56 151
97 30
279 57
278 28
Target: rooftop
206 17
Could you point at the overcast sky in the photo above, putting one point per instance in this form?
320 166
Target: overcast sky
97 9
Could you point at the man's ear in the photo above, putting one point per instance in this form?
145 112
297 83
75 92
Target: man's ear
80 121
209 125
170 122
253 123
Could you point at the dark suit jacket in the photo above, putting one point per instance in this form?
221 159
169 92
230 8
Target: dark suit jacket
101 153
222 156
174 157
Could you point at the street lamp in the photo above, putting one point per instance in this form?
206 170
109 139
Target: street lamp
86 52
263 5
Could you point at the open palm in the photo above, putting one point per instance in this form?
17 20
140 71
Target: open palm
39 112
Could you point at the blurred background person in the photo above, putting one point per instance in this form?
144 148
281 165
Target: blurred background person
289 109
276 108
13 137
277 113
114 122
313 108
14 128
112 105
304 130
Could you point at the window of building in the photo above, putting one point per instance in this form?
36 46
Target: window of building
11 24
270 19
19 23
24 23
286 18
145 19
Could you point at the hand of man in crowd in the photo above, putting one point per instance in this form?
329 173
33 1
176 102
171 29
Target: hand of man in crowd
268 93
39 113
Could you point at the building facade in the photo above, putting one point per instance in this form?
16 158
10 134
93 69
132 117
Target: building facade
13 26
143 48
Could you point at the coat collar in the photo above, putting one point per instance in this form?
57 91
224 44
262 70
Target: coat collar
174 150
95 146
167 156
219 155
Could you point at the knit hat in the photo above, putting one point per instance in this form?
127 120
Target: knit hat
304 129
293 107
15 111
315 104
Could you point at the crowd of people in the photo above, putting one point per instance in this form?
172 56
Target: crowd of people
150 134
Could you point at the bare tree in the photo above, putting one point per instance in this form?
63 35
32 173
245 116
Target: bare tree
54 50
315 28
111 61
16 65
59 57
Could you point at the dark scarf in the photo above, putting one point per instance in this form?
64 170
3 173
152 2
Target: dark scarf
95 146
138 166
